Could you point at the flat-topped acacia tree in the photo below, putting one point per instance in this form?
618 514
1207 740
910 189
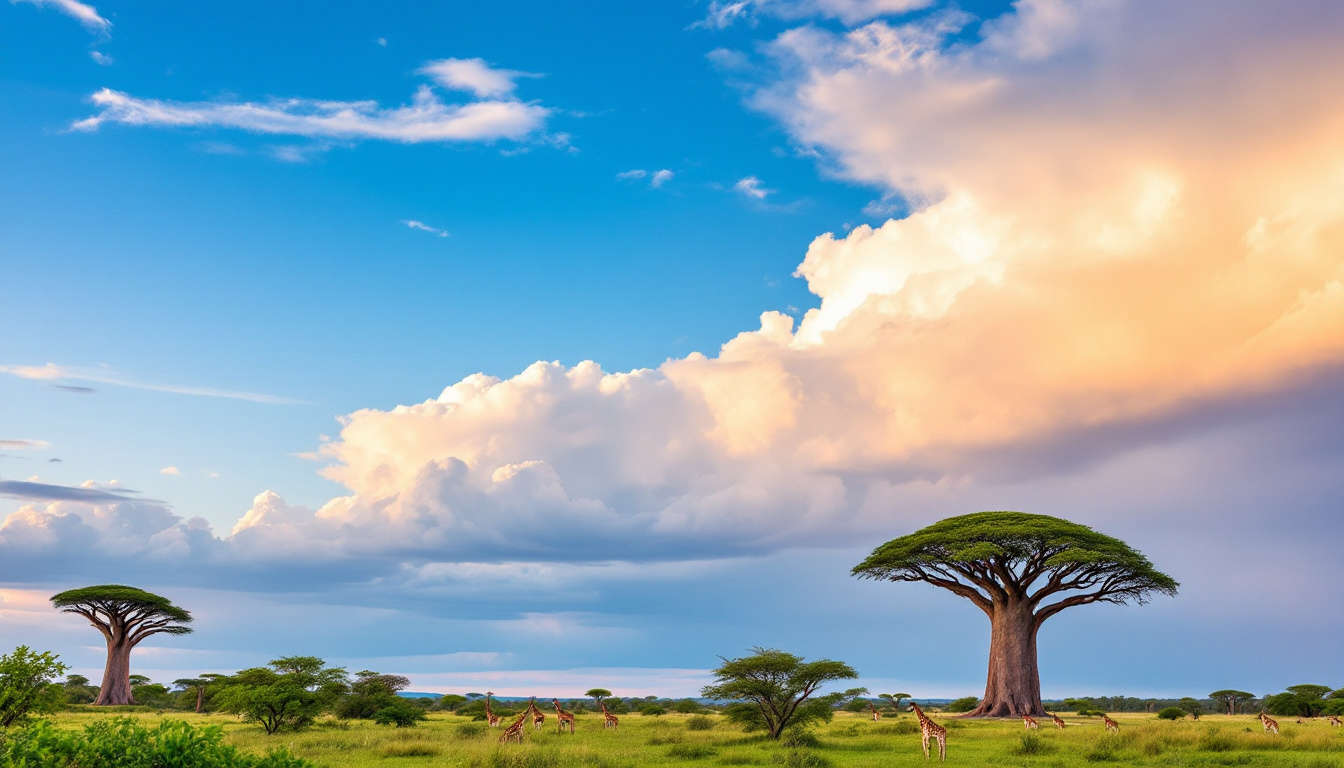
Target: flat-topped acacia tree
125 616
1020 569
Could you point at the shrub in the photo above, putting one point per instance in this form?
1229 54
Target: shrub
905 727
964 704
1032 744
686 707
798 758
652 710
1171 713
699 723
401 713
125 743
691 751
471 730
26 685
798 737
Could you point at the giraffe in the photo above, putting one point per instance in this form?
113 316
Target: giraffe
608 720
1058 722
1334 721
563 717
1271 725
538 718
515 730
490 717
929 729
1030 723
1111 725
876 715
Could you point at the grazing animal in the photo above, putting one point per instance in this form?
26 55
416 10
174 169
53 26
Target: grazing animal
1058 722
1271 725
564 718
515 730
1334 721
538 719
876 715
1111 725
490 717
1030 723
929 729
608 720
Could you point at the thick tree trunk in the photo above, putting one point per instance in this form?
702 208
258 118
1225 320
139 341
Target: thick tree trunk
200 699
1013 687
116 687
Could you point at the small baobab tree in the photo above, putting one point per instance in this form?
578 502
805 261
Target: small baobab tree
1019 569
125 616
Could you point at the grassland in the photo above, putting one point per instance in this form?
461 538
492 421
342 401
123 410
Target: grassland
851 741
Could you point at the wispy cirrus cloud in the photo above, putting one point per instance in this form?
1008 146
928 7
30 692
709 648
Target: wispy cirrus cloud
423 227
25 445
52 372
89 492
753 188
85 14
725 13
656 178
495 114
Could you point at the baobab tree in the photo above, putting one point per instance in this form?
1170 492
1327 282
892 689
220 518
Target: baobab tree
125 616
1231 697
1020 569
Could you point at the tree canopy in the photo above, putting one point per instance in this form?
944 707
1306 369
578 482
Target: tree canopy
26 678
773 690
141 613
597 694
288 695
1231 697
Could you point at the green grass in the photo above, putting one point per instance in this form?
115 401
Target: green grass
851 741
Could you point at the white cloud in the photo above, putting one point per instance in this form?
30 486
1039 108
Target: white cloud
101 58
725 13
382 41
656 178
54 372
81 12
423 227
660 178
753 188
173 471
637 173
25 445
476 76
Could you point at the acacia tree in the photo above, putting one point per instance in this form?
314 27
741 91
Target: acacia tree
894 699
1020 569
125 616
772 690
598 694
1231 697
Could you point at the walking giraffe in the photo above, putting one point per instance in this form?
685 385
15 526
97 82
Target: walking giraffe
515 730
490 717
1111 725
608 720
876 715
1058 722
1030 723
538 718
929 729
1334 721
564 717
1271 725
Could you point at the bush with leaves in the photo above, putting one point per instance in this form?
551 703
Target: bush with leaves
652 710
1298 701
772 690
401 713
1171 713
128 743
370 693
964 704
289 694
26 685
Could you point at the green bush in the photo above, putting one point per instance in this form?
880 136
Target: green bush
799 737
26 685
964 704
1032 744
699 723
686 707
1171 713
400 713
652 710
125 743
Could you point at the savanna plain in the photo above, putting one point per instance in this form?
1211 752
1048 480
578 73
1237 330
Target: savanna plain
848 741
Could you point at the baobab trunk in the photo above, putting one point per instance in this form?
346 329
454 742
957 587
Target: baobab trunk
1013 687
116 688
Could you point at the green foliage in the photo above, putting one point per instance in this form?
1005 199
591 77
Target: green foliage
964 704
1171 713
686 706
1032 744
1192 706
451 702
856 705
969 553
118 599
597 694
1231 697
127 743
401 713
371 693
288 695
772 690
699 723
652 710
691 751
1298 701
26 686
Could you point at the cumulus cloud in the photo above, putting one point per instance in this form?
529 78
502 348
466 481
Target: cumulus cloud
85 14
725 13
753 188
495 115
25 445
52 372
476 76
660 178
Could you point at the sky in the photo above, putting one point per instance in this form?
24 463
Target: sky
537 347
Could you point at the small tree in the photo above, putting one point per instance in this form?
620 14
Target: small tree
1191 706
894 699
371 693
288 695
1231 698
26 684
1019 569
773 690
196 685
1171 713
452 701
1299 701
597 695
125 616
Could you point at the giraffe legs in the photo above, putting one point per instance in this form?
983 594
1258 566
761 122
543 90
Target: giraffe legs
925 742
942 749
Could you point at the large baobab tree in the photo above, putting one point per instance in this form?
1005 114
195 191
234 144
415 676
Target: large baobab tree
1019 569
125 616
1231 697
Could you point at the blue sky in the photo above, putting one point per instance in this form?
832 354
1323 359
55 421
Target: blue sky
253 259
